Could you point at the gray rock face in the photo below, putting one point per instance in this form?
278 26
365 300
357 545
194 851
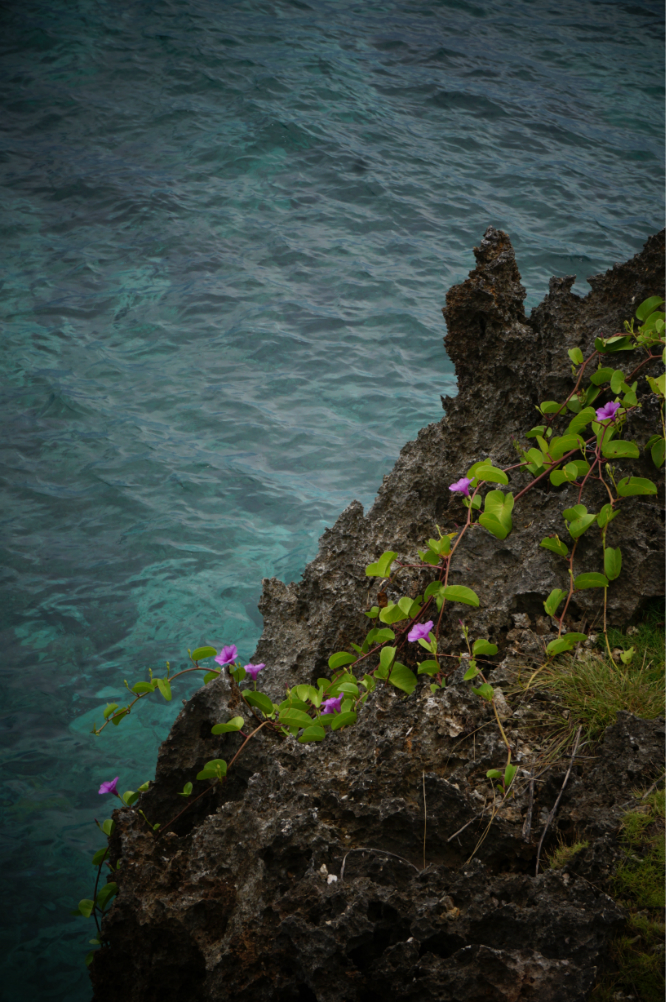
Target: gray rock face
374 866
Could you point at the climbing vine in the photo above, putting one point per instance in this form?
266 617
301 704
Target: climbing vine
576 443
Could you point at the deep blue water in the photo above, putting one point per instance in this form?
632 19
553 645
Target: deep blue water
227 233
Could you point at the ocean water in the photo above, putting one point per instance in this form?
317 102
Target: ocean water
227 233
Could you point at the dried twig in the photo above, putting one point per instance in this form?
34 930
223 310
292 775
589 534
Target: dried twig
527 827
559 797
475 818
425 819
383 851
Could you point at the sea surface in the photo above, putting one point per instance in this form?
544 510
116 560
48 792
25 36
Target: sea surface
227 230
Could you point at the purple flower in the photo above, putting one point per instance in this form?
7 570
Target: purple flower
461 485
227 655
110 787
332 705
420 631
607 412
253 670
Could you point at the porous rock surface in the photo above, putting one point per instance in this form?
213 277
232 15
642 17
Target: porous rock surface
366 867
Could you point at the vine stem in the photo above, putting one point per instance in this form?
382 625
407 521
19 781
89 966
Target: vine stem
552 417
571 589
208 789
650 358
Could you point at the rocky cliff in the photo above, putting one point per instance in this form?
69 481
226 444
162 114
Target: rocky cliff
365 868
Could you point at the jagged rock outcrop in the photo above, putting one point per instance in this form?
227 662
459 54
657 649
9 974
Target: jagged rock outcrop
303 877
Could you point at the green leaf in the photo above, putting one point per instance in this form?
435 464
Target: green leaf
239 673
340 659
203 652
555 544
429 645
343 720
489 474
314 733
612 562
570 473
471 672
293 703
563 444
86 907
106 893
369 682
590 580
143 687
165 688
459 593
580 525
433 589
441 546
409 606
602 375
574 404
306 692
571 514
130 797
482 646
485 691
260 700
373 613
550 407
631 486
295 718
509 774
108 826
606 515
186 791
392 614
99 857
428 557
494 774
386 659
657 385
537 430
110 707
565 643
381 636
657 452
210 675
234 724
144 786
429 668
402 678
382 567
591 394
617 381
606 346
581 420
648 306
215 769
118 716
497 515
653 324
576 356
553 600
620 450
494 526
628 656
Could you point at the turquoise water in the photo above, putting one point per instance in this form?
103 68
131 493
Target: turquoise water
227 233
